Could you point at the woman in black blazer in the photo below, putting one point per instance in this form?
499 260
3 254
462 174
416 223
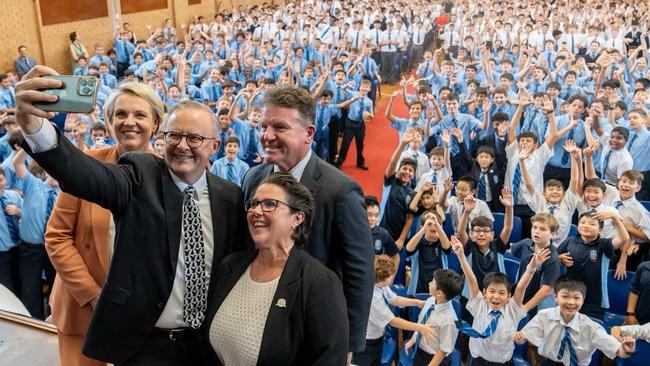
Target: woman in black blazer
276 305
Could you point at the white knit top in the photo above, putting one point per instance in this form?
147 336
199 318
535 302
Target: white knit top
237 328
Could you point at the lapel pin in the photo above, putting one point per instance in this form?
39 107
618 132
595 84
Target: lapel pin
282 303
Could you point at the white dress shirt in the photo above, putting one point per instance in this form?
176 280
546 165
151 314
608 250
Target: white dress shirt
298 169
380 315
535 164
563 211
443 319
546 331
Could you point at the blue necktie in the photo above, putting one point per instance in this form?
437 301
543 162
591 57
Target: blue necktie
368 66
618 204
454 122
424 321
51 198
356 41
252 146
426 69
629 145
565 156
434 177
361 106
230 175
481 187
12 225
516 180
464 327
567 343
552 209
603 167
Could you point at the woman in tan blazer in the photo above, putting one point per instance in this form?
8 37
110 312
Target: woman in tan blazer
80 234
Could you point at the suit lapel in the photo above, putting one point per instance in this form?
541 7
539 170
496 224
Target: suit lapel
102 215
281 306
172 201
219 226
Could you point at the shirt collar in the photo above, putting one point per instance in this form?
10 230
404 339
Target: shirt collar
573 324
199 185
298 169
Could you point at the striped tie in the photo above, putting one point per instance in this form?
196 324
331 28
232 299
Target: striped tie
434 178
567 343
631 143
465 328
618 204
51 198
516 180
424 321
603 168
12 224
230 175
481 187
552 209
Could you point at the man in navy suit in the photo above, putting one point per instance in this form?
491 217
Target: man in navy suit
340 236
23 63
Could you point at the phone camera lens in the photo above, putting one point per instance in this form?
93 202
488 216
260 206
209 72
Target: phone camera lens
86 91
83 82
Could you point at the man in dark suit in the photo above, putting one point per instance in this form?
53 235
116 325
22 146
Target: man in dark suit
23 63
174 223
340 236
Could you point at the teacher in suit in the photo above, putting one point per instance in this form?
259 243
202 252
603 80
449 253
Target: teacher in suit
23 63
277 305
340 236
80 234
174 223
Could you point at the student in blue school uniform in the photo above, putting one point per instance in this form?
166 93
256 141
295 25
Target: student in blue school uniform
382 242
496 315
7 95
12 181
639 147
567 337
247 132
428 250
11 203
402 124
359 112
381 315
39 191
438 311
586 257
230 167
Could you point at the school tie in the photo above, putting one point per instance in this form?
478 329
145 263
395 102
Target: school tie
454 122
230 174
567 343
338 94
465 328
361 107
12 97
377 37
196 285
415 156
573 44
390 46
12 225
368 66
252 146
629 145
424 321
215 92
603 167
565 156
356 41
51 198
434 177
516 180
618 204
481 187
104 80
426 69
552 209
451 38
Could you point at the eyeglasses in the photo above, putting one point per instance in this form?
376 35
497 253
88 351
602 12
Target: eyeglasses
193 141
482 231
268 205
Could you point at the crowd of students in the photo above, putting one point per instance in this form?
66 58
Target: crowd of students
515 109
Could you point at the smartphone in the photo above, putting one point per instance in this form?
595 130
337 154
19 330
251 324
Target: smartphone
78 94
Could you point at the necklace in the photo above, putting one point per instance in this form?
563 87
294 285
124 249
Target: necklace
263 274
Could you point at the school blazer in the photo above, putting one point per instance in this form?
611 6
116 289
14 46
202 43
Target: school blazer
310 327
76 240
147 209
339 238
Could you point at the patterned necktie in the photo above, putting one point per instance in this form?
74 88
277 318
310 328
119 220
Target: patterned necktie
434 177
424 321
426 69
603 167
368 66
567 343
196 284
361 107
252 146
618 204
565 156
516 180
552 209
12 224
481 187
356 41
464 327
230 175
51 198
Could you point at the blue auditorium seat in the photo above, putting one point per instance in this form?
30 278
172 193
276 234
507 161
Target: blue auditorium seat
512 268
515 234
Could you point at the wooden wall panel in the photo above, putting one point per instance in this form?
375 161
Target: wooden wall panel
131 6
63 11
21 28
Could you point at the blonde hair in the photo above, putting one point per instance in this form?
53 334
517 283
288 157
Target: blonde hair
546 219
141 90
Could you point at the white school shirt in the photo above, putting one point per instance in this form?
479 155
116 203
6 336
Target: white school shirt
563 212
442 175
352 37
638 332
422 159
372 36
535 164
443 319
419 35
380 315
456 210
632 210
546 331
386 36
499 346
619 161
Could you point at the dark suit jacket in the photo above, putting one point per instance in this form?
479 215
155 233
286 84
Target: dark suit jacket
22 68
147 208
496 173
340 235
313 327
